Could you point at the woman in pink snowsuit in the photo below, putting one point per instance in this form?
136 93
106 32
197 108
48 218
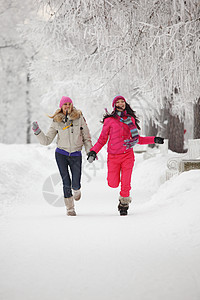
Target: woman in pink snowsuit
121 127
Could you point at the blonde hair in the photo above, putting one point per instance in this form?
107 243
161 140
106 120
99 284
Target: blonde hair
59 110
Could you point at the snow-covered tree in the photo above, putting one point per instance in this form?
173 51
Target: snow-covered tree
156 41
15 89
144 49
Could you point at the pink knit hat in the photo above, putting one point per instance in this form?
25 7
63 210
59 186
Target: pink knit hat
117 98
65 100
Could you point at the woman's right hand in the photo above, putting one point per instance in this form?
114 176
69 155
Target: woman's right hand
35 127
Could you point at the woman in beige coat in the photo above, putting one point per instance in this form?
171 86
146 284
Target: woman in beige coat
72 133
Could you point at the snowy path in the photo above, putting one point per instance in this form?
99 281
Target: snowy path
151 254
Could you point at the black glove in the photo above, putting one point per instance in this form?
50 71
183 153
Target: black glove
91 156
158 140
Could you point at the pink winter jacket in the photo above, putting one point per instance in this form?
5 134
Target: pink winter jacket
117 133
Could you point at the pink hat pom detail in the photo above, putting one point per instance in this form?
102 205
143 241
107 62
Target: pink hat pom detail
65 100
117 98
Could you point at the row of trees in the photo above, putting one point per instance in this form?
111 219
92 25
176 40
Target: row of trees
147 50
16 94
92 50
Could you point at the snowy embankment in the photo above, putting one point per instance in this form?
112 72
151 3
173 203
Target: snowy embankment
151 254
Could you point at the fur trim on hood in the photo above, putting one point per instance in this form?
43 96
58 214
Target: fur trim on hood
75 114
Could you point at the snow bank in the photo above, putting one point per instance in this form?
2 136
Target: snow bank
186 186
151 254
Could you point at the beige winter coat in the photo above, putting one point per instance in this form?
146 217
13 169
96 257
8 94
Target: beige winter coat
70 138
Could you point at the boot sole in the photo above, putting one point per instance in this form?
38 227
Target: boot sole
123 213
77 199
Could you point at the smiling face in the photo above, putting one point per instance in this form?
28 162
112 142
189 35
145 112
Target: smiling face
120 105
66 108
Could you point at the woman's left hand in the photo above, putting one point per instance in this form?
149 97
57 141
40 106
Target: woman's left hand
158 140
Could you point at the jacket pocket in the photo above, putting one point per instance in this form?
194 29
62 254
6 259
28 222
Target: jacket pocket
77 135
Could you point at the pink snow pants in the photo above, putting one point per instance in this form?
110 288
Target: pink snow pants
120 168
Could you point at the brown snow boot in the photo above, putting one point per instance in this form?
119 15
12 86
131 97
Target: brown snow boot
77 194
69 202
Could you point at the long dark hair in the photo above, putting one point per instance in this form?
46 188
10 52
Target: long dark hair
129 112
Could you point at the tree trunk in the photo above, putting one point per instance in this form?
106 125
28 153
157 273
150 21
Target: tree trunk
28 109
172 127
175 132
151 130
197 120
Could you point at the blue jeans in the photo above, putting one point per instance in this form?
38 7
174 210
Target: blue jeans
74 163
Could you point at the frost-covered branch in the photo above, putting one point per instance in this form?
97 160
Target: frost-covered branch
155 45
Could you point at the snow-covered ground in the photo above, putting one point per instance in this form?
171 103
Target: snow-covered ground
151 254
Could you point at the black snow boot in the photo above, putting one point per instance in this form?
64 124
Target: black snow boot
124 205
123 209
